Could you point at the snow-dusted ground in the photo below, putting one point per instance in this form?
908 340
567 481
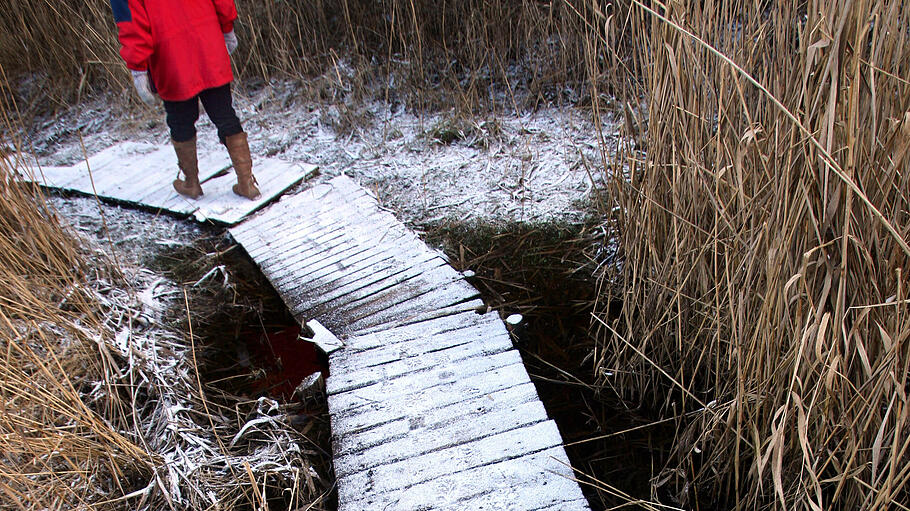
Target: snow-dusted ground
531 167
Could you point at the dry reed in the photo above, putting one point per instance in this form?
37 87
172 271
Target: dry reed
427 53
764 240
60 429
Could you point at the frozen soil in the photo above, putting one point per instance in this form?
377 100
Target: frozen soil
531 167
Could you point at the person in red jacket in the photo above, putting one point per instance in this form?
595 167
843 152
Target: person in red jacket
180 49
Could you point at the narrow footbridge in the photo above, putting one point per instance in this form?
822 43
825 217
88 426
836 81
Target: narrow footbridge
431 407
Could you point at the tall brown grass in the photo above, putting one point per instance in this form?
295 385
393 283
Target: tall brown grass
764 245
60 447
406 49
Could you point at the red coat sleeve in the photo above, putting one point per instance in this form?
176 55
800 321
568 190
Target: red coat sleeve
134 33
227 13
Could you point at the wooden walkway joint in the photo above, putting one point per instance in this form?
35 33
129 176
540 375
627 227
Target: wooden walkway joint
138 173
431 406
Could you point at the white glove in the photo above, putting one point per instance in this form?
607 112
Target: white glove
143 87
230 41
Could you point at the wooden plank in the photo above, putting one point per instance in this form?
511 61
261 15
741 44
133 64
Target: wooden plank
273 245
332 241
28 169
108 164
439 378
485 451
393 281
420 330
392 364
369 265
350 441
334 271
123 170
340 261
452 293
316 228
312 204
49 177
538 482
391 299
159 192
222 205
355 357
463 429
292 276
533 482
430 389
284 210
475 306
133 188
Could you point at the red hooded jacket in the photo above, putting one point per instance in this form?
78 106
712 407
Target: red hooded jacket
180 43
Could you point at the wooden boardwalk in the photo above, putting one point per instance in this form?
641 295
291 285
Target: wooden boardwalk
142 174
431 407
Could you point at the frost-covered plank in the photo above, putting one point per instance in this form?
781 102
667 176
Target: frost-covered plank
155 187
354 440
355 358
308 205
143 174
462 429
371 268
284 211
48 176
357 415
285 238
337 245
439 278
443 375
534 482
74 177
297 274
124 171
408 305
474 306
420 330
144 182
273 248
285 241
461 350
121 163
111 163
303 281
340 288
331 242
221 204
485 451
373 288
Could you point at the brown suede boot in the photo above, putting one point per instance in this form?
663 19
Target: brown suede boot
239 150
186 160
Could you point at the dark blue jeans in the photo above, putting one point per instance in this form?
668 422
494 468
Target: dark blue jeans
182 115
